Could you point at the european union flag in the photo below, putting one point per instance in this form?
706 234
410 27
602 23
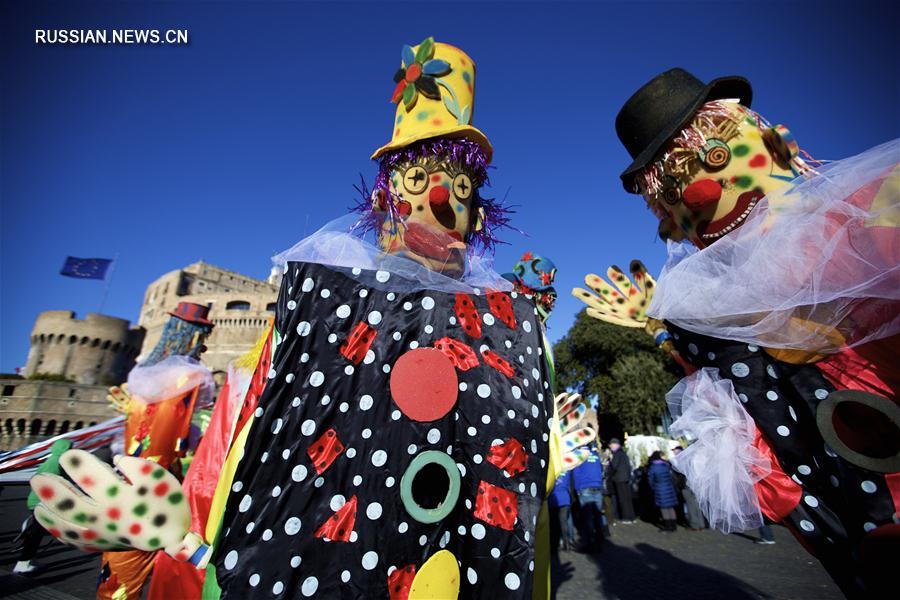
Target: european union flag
86 268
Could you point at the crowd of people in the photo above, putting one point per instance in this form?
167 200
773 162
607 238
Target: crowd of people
606 491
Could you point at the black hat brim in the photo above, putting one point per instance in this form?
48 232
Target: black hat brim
717 89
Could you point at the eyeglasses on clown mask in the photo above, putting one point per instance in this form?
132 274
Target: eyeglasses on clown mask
427 197
711 175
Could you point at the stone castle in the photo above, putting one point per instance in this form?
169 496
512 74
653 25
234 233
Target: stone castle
99 350
92 354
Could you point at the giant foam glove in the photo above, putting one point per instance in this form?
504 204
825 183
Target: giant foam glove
625 302
147 511
119 397
574 434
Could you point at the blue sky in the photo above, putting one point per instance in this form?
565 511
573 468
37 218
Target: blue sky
224 150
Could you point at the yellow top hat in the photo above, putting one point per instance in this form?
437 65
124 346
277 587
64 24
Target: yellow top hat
435 97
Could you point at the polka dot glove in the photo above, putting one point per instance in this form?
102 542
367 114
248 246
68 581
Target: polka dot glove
146 511
574 434
119 397
622 303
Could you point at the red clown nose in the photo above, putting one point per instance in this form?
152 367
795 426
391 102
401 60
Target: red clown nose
701 194
438 195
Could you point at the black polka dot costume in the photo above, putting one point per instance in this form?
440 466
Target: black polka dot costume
395 425
839 503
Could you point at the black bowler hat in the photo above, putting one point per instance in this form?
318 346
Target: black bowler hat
662 107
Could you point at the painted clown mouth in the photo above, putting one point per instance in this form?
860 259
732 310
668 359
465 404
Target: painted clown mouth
711 231
432 243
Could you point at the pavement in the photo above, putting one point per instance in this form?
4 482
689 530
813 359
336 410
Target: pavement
637 563
68 574
641 563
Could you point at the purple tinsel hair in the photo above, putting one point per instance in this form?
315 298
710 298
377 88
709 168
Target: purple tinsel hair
460 154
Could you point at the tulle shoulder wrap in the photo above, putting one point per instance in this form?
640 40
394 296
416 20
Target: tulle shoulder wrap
341 244
169 377
722 465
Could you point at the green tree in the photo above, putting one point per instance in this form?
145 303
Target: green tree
622 366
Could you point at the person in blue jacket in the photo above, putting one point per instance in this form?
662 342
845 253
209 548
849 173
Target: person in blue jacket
587 479
659 475
560 502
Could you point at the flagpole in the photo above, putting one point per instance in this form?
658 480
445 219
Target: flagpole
112 269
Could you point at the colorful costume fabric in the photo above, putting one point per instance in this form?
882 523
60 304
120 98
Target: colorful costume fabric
397 422
827 413
165 390
172 578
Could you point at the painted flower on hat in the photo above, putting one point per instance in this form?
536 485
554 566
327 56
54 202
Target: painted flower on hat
418 74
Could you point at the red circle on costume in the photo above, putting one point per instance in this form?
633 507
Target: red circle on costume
55 532
46 492
161 489
135 529
701 193
89 535
424 384
114 513
439 195
145 469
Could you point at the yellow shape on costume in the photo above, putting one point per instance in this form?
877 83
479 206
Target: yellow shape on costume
803 328
121 593
884 205
438 579
449 116
223 485
541 589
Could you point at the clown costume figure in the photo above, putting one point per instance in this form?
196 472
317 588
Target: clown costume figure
781 297
407 431
534 275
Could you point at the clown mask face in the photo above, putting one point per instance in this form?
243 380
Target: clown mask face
706 185
434 203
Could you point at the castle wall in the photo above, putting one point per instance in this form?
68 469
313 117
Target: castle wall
34 410
98 349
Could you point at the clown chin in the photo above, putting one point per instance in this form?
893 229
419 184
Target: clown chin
440 251
742 209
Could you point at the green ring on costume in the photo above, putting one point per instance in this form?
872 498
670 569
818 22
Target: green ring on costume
430 515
